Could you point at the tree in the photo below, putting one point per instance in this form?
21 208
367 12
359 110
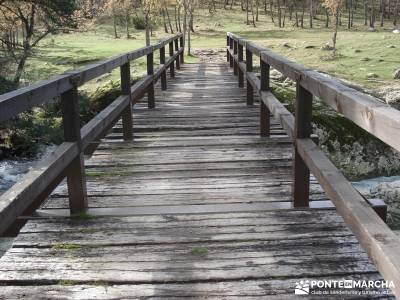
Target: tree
335 7
150 10
35 19
114 8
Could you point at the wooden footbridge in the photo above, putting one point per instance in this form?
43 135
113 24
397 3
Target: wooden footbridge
204 191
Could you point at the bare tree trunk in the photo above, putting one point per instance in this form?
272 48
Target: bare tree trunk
365 13
147 30
372 18
179 19
184 26
334 39
271 9
382 11
191 22
350 13
396 13
279 14
20 68
176 20
252 13
311 13
164 21
247 12
302 13
115 26
327 18
127 23
257 4
189 42
169 20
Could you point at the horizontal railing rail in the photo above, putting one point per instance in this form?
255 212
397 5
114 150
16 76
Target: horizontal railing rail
379 119
67 160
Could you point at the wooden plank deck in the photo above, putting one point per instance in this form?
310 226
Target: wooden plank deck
198 205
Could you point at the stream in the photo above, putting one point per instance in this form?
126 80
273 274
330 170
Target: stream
13 170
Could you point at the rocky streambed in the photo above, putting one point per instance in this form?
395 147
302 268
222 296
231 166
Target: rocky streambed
387 189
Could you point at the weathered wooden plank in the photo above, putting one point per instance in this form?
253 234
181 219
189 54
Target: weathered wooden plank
23 99
243 289
150 249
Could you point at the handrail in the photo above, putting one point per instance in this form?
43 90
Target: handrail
23 99
67 160
366 111
382 121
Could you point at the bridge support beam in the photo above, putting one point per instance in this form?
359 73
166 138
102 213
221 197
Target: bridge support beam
182 43
249 68
127 123
178 64
172 66
76 178
230 56
240 72
150 90
303 130
227 50
235 51
164 73
265 114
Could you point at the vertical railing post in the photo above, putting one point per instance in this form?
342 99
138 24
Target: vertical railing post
235 51
172 65
150 90
163 73
249 68
227 50
230 56
303 129
240 59
178 64
76 178
182 44
127 123
265 114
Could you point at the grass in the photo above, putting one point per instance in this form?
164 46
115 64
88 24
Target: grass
83 216
66 246
199 250
361 52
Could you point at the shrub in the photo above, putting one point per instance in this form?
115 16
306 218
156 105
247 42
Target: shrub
139 22
6 85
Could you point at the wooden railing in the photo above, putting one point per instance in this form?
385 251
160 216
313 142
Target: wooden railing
67 160
379 119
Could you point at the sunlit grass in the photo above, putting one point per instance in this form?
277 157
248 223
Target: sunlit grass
360 52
